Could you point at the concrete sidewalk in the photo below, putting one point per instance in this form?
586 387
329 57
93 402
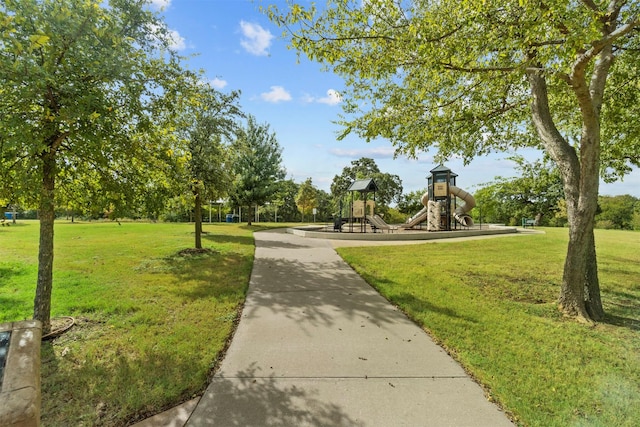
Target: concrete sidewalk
317 346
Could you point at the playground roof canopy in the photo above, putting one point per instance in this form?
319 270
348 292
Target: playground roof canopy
442 169
364 185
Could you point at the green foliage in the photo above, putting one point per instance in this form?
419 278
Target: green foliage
307 198
617 212
534 193
211 117
86 91
452 74
411 203
394 216
326 208
491 304
284 200
389 185
473 77
257 164
85 82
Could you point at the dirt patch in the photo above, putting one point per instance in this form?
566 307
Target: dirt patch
195 251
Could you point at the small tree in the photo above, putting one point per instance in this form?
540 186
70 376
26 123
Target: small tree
285 200
307 198
81 84
257 165
210 117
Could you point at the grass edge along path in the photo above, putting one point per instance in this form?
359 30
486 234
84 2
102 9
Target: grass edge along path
491 304
153 320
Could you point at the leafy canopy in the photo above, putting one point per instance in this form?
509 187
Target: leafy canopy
86 82
257 164
452 74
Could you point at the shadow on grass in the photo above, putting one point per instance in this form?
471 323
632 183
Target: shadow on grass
624 322
11 270
252 399
413 305
624 309
113 392
211 275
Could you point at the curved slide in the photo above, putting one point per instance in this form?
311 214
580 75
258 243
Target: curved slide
460 214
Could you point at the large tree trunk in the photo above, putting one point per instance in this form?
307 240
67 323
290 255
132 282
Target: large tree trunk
580 291
42 302
198 217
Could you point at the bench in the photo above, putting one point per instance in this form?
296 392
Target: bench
528 222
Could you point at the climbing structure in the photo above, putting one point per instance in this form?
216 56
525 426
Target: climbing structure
440 203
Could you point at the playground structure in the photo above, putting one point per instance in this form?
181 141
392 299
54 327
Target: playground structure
441 211
440 203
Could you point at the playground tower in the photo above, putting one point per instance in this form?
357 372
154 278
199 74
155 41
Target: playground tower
442 200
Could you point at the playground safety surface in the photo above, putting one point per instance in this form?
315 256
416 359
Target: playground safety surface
317 346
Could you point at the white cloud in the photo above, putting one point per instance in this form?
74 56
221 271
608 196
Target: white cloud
332 98
218 83
176 41
256 39
160 4
172 37
373 152
277 94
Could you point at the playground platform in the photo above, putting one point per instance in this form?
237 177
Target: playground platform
396 235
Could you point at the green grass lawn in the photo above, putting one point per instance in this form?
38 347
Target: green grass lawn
151 322
491 304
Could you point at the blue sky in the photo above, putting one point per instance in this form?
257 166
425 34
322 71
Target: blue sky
240 49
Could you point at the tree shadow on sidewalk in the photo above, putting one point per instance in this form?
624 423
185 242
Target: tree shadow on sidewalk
252 399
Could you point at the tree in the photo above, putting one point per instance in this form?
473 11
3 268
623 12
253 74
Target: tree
211 117
257 165
411 203
617 212
81 83
534 193
389 185
307 198
474 77
284 200
324 205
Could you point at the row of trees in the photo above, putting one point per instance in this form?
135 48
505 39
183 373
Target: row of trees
537 193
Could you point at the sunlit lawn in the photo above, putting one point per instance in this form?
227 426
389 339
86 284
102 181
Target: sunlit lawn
491 303
151 322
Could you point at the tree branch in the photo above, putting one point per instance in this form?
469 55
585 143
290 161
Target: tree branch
449 66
